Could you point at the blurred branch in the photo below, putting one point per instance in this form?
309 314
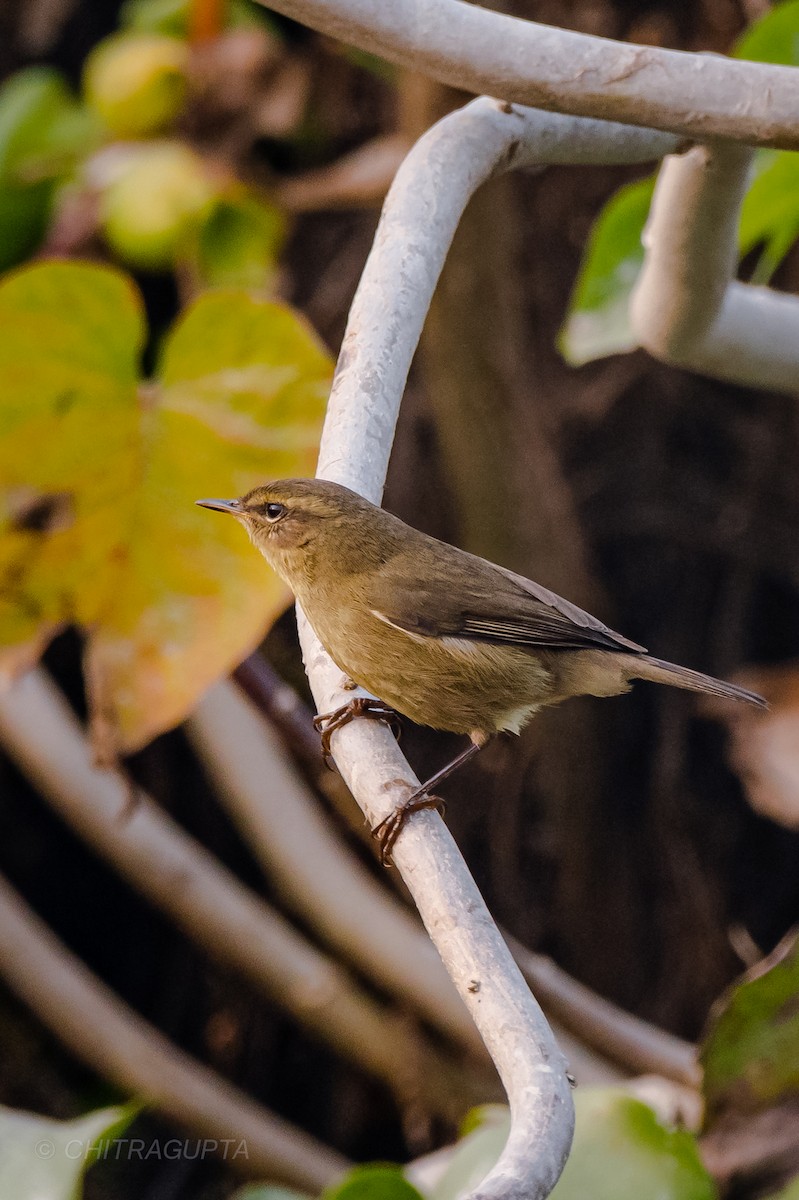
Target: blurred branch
311 869
753 1153
121 1046
359 179
421 213
41 23
695 95
324 883
287 713
187 883
640 1047
687 308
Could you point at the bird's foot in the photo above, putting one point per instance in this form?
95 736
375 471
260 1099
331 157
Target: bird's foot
389 829
361 706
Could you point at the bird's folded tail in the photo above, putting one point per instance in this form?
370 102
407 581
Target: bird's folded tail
658 671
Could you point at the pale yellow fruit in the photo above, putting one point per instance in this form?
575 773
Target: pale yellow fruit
136 82
156 203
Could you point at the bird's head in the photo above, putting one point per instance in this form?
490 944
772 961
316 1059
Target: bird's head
298 523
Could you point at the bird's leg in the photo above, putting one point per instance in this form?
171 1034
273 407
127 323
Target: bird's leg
389 829
361 706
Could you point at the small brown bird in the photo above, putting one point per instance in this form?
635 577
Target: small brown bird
441 636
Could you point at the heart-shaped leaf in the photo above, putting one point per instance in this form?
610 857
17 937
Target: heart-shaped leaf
100 472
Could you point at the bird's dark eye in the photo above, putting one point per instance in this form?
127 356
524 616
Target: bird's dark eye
274 511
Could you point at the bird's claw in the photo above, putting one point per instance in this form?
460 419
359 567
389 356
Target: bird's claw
326 724
389 829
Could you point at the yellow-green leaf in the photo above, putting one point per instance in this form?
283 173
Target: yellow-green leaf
99 473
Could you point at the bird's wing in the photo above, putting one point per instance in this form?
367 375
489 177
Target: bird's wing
489 604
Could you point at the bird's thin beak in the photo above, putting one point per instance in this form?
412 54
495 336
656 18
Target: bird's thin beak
226 506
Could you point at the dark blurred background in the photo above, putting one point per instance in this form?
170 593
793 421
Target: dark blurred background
614 836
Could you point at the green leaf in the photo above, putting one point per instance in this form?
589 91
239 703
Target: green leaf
239 243
770 211
750 1054
29 100
620 1152
267 1191
482 1116
41 1159
172 16
597 323
377 1181
385 71
774 38
100 471
156 16
43 129
476 1152
136 83
151 210
24 219
770 214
